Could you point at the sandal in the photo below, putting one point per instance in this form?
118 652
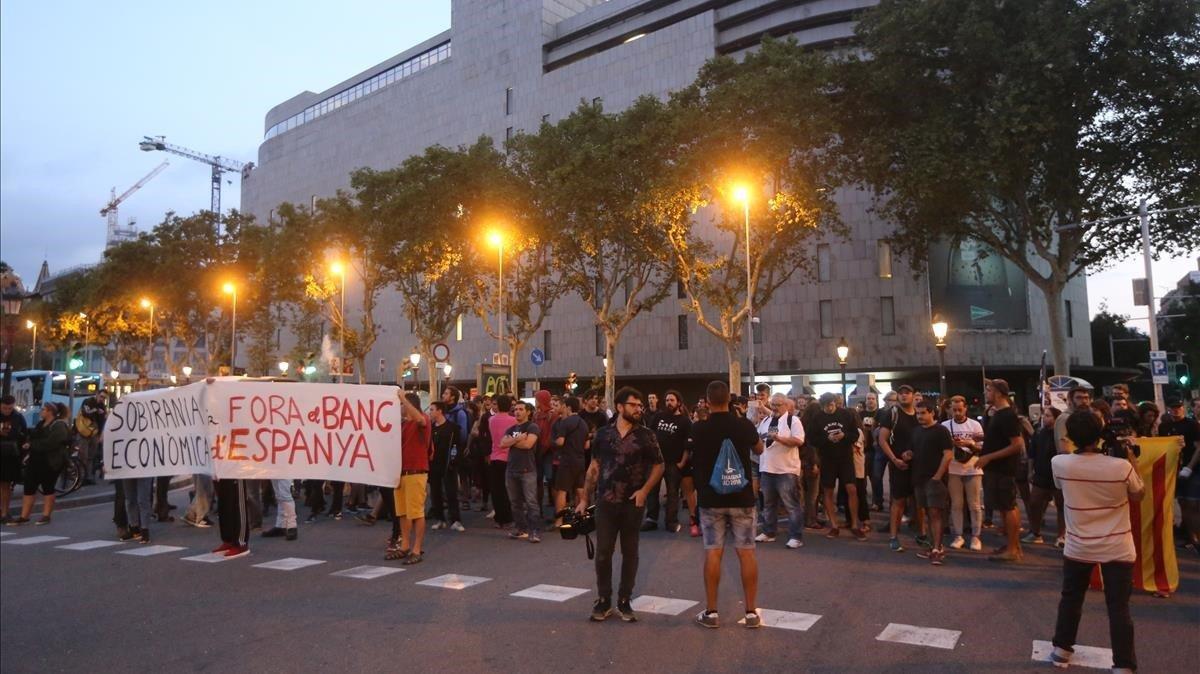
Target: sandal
393 554
413 559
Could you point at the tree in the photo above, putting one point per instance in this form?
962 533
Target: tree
595 177
1179 331
1107 325
762 122
1004 121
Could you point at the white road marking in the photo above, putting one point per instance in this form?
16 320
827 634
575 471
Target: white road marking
6 533
289 564
149 550
367 572
207 558
34 540
919 636
557 593
1084 656
787 620
453 581
88 545
661 605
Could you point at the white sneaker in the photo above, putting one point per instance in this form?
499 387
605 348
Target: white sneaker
794 543
457 526
976 544
1061 542
437 525
957 543
491 514
764 538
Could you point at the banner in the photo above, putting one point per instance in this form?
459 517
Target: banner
1156 569
238 429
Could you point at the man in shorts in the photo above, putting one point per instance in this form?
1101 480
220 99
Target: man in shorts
730 514
414 481
1003 446
933 450
834 432
895 439
570 438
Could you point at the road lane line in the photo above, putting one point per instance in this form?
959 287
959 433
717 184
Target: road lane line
557 593
367 572
453 581
289 564
787 620
919 636
34 540
661 605
150 550
89 545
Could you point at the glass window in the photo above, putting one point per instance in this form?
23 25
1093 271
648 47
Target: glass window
458 328
682 322
508 101
597 102
887 315
823 262
680 293
545 119
508 134
546 343
826 318
1070 320
756 330
885 259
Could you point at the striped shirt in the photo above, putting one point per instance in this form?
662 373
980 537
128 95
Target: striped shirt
1096 492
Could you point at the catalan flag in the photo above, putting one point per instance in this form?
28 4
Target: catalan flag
1156 569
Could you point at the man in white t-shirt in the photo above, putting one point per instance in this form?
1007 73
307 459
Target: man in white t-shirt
1096 490
965 481
782 434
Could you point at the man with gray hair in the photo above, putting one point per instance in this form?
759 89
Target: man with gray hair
782 434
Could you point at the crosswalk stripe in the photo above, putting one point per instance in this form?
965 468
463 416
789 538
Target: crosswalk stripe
88 545
661 605
289 564
34 540
149 550
787 620
557 593
367 572
919 636
6 533
1084 656
207 558
453 581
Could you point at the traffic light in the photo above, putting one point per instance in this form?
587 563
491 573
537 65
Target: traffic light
74 362
1183 374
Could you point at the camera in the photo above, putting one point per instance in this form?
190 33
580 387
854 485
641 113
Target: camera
575 525
1119 437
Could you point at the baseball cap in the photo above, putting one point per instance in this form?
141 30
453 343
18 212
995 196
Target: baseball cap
827 398
1175 402
905 388
999 386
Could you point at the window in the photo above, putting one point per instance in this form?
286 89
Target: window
546 343
826 318
756 330
680 293
887 315
599 341
683 332
597 102
458 328
823 262
508 101
508 134
885 259
1070 321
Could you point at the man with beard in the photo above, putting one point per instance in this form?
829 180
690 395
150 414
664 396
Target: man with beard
672 427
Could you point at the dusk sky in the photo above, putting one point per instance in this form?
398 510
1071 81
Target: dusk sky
82 82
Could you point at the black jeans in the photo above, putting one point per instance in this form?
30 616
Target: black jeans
120 518
443 492
315 496
162 506
672 476
615 520
1118 586
232 518
496 471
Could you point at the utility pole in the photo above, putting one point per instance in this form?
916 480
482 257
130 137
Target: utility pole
1144 219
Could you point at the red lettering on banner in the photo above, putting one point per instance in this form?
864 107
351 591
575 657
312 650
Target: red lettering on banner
360 449
279 444
323 449
384 426
258 410
292 414
345 447
261 454
218 442
234 445
329 413
233 407
299 444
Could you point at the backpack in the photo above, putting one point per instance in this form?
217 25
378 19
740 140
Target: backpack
729 475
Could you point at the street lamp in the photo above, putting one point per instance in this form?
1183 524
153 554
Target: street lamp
742 194
339 270
147 304
940 329
446 369
843 352
230 289
283 367
187 374
496 238
415 359
32 347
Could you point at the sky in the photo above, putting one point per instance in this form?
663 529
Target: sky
82 82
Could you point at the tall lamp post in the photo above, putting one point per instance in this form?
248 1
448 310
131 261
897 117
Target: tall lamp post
843 352
230 289
940 329
340 271
497 239
743 195
147 304
32 347
11 298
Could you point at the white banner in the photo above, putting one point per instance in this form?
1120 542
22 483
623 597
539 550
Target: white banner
258 430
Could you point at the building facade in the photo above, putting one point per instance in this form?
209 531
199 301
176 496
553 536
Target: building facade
505 66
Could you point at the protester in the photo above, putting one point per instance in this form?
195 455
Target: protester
932 454
782 433
571 438
198 512
410 494
881 463
89 426
834 432
12 436
1042 491
45 455
673 430
1097 490
626 464
1080 398
285 512
965 481
521 441
895 439
721 449
498 424
443 470
1003 445
544 414
1187 487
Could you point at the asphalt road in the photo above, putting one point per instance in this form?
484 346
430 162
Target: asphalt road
97 609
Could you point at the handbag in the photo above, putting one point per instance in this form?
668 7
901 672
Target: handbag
729 475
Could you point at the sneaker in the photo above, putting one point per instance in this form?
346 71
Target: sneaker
366 520
237 551
1061 542
274 532
1061 657
1032 538
905 519
127 535
832 533
860 535
291 534
626 611
311 519
17 521
988 525
937 557
765 538
222 548
491 514
458 526
337 516
44 519
894 545
924 553
924 541
143 536
649 526
752 620
601 609
438 524
708 619
815 526
795 543
534 537
694 531
957 543
518 535
675 528
976 544
1005 557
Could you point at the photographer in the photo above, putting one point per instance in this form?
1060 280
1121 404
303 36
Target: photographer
1097 490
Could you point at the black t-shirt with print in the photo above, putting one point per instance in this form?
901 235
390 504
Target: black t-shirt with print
901 426
522 460
1001 429
707 437
673 432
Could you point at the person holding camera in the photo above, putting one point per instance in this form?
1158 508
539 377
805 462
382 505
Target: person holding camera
1097 490
626 464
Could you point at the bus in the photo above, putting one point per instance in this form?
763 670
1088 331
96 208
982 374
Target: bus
33 388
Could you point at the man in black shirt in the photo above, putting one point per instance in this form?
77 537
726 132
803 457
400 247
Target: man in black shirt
571 438
520 477
725 512
12 435
626 464
673 429
834 432
932 449
1187 489
1003 446
895 439
443 469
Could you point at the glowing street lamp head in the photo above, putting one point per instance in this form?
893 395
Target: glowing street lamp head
741 194
843 351
283 366
414 358
337 268
29 325
229 288
83 315
495 238
146 303
114 375
187 370
446 368
940 329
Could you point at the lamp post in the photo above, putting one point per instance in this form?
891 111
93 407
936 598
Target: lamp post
843 352
497 239
415 359
743 195
11 298
340 270
32 347
231 289
147 304
187 374
940 328
283 367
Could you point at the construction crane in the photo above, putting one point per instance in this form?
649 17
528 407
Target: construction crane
220 165
117 234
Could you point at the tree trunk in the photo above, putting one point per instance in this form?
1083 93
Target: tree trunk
610 369
1058 333
432 370
733 351
513 349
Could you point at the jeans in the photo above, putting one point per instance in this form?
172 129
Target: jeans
1118 586
674 479
613 521
162 505
139 494
285 504
315 496
523 495
496 473
443 494
878 467
784 487
970 487
202 502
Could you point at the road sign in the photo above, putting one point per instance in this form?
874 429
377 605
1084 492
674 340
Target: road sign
1158 367
1141 293
441 352
537 357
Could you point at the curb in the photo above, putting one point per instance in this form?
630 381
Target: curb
106 496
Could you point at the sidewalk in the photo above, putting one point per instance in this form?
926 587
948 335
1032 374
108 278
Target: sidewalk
101 492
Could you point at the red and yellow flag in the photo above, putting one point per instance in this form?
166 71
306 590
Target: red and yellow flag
1156 569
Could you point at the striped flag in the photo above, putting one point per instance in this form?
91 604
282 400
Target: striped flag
1156 569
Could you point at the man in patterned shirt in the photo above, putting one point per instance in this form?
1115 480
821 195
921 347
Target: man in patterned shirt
626 464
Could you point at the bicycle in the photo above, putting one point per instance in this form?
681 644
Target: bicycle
71 478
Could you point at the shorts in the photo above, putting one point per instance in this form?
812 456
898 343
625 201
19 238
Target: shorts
568 476
835 466
900 481
39 476
1189 489
999 491
10 465
410 495
718 523
685 473
932 494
